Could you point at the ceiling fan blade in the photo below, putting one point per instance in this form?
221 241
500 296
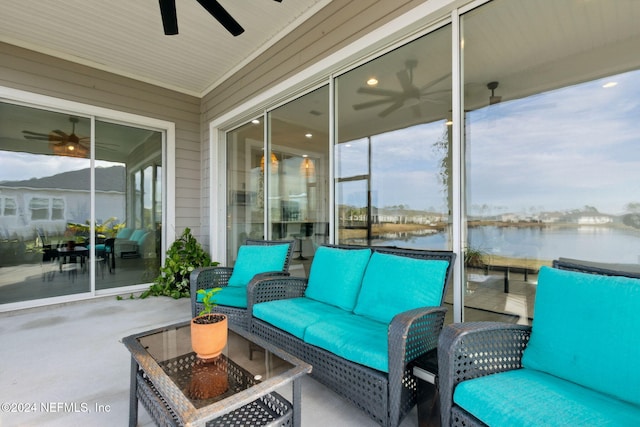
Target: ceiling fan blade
219 12
379 92
37 137
370 104
393 107
434 82
169 17
60 133
28 132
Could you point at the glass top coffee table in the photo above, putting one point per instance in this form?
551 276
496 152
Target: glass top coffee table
238 388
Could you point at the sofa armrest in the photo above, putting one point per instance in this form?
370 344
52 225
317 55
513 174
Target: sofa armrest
475 349
262 289
207 278
410 335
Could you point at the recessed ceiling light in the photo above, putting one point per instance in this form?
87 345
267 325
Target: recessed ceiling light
609 84
255 121
308 135
372 81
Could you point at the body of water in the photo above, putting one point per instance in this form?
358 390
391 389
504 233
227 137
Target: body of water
591 243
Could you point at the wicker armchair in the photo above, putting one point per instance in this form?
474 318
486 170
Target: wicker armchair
212 277
476 349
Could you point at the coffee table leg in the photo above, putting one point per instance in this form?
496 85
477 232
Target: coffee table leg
297 396
133 395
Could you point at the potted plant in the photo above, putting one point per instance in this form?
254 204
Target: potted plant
474 257
208 329
183 256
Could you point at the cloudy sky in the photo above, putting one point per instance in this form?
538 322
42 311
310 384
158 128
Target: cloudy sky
560 150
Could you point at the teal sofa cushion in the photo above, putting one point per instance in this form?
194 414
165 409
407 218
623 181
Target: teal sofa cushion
336 276
296 314
585 329
393 284
124 233
526 397
254 259
231 296
352 337
137 235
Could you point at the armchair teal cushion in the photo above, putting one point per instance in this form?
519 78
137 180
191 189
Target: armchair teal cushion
525 397
124 233
336 276
585 329
393 284
230 296
254 259
137 235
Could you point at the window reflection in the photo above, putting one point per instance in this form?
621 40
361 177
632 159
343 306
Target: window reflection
284 180
550 143
389 159
299 189
49 246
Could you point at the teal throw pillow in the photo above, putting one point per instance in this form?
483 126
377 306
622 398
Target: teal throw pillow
393 284
254 259
336 276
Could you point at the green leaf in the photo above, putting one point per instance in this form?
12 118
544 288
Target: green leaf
183 257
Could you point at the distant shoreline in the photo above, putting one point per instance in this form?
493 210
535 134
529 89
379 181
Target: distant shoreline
379 230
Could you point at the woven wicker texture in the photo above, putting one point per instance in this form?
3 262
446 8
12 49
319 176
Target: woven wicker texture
475 349
270 410
218 277
386 398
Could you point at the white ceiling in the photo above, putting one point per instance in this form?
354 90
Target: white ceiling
126 37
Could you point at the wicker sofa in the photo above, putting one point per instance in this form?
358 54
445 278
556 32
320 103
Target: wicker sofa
256 259
361 318
576 365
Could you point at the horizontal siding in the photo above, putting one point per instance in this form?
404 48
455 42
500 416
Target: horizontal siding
42 74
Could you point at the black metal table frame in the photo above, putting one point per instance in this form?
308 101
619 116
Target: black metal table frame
64 252
141 359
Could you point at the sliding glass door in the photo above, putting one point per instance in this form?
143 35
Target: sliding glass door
278 187
70 204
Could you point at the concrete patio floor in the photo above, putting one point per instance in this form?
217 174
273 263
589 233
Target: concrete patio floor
65 365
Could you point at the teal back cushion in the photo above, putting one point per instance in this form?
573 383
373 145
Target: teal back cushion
586 329
124 233
336 276
254 259
393 284
137 235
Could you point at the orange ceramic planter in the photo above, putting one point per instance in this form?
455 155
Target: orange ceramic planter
208 340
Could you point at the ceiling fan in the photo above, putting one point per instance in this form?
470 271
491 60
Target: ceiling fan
410 93
493 99
170 16
62 143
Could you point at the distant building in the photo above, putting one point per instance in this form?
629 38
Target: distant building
48 203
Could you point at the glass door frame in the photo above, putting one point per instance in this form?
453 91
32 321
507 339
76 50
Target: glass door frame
167 129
